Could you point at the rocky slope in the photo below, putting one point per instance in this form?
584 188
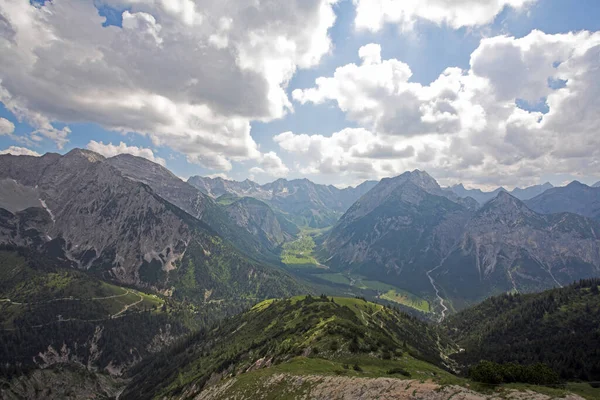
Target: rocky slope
406 232
324 387
96 217
257 240
53 315
302 201
575 198
261 221
508 247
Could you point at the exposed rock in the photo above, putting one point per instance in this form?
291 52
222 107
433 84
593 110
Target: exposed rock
408 231
317 387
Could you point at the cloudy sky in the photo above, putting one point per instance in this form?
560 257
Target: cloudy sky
485 92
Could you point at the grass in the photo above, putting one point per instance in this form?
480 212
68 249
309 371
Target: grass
386 291
299 252
338 278
407 299
248 384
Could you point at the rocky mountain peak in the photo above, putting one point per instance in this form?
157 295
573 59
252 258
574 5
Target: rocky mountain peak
576 184
84 154
505 209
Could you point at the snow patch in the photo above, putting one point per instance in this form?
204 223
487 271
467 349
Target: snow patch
48 210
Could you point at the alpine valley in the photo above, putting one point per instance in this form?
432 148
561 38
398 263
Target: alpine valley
120 280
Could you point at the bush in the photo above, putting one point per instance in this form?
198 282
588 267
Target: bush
398 371
494 373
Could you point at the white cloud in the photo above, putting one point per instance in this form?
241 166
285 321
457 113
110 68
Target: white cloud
379 95
20 151
189 77
272 165
111 150
373 14
6 127
465 125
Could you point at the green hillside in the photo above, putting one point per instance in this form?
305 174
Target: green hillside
559 327
314 335
49 313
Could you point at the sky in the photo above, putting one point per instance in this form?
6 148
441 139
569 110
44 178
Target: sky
487 93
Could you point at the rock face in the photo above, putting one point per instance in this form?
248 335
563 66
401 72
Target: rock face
250 238
98 218
111 220
260 220
302 201
406 228
400 229
508 247
575 198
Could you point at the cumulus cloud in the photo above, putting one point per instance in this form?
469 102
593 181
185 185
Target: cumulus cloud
111 150
373 14
6 127
272 165
189 77
20 151
378 94
466 125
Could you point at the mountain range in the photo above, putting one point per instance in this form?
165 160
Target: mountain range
301 201
109 217
407 231
483 197
575 198
93 249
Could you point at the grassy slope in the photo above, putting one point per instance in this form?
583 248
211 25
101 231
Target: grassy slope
299 252
44 304
342 331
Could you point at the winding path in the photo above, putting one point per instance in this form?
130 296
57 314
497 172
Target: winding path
119 314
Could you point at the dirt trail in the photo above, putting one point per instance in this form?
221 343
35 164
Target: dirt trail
65 299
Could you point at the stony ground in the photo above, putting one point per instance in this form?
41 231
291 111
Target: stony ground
313 387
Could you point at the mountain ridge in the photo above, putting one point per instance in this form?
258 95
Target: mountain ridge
414 238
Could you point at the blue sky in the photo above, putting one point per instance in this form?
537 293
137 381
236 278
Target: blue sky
428 48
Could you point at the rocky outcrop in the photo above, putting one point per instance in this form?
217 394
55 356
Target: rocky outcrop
318 387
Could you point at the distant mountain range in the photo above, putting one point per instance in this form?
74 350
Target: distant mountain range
483 197
575 198
301 201
409 232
